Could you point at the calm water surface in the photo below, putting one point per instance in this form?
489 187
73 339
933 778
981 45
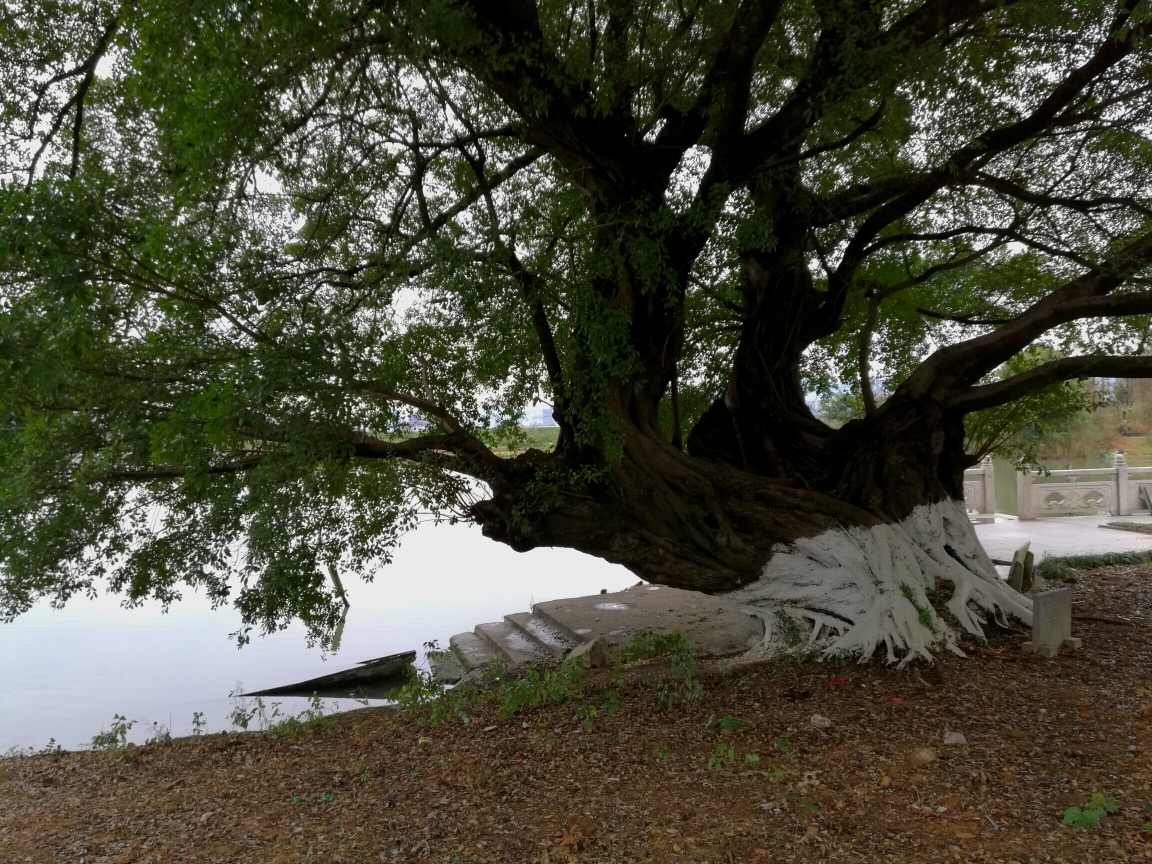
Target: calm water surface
65 673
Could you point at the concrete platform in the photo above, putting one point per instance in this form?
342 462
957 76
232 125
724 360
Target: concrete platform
716 626
1063 535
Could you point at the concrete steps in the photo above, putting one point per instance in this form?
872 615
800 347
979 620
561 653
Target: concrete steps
472 651
515 646
547 637
716 627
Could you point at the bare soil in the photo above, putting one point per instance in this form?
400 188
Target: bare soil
634 784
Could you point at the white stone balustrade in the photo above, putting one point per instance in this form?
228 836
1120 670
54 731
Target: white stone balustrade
1067 491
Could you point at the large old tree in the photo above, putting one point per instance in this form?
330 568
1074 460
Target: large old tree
277 276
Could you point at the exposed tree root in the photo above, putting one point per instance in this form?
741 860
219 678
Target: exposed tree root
855 589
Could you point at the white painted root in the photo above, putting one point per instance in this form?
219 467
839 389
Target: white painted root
860 588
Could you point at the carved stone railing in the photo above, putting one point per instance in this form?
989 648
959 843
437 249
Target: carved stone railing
980 487
1069 491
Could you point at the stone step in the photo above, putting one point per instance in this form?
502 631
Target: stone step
511 644
446 666
472 651
542 633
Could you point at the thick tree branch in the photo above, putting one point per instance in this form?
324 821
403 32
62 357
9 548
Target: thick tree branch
458 434
961 365
87 70
958 167
1047 374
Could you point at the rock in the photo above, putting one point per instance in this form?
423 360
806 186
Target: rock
918 780
954 739
819 722
589 654
921 756
885 782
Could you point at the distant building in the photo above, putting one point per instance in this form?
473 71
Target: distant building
539 417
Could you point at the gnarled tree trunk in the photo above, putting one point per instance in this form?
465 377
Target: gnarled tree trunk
842 539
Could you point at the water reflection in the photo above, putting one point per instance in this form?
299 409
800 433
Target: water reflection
65 673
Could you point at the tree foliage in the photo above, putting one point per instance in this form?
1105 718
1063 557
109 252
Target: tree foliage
278 276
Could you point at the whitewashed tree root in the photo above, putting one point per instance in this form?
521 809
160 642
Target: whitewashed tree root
856 589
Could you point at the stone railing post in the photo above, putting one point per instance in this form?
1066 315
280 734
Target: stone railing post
1123 491
989 486
1025 506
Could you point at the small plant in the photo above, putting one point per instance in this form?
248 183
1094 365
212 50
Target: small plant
751 760
778 775
422 697
198 723
723 753
1148 824
311 717
114 738
161 734
662 752
678 650
728 722
530 689
587 715
302 800
1090 814
809 806
784 746
609 701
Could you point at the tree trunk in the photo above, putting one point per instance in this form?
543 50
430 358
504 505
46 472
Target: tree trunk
846 560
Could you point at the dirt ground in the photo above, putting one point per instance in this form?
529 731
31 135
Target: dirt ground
635 784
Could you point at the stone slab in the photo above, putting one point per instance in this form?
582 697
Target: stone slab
514 646
546 637
1051 618
472 651
716 627
446 666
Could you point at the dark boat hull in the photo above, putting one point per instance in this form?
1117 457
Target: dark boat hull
370 679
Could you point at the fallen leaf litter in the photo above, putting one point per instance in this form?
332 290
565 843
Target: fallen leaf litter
977 766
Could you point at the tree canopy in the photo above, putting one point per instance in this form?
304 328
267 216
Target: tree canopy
279 276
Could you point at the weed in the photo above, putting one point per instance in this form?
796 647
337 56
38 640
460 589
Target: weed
245 711
530 689
808 805
610 701
586 714
302 800
160 734
312 717
1065 566
198 723
422 697
723 753
662 752
1090 814
784 746
1148 824
360 772
751 760
114 738
778 775
789 628
727 722
678 650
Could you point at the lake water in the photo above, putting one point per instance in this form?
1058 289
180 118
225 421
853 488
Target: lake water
65 673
